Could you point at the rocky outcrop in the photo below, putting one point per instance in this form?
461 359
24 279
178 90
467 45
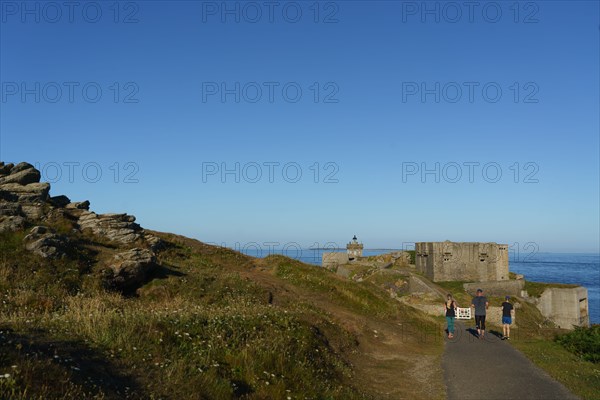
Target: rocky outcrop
59 201
22 197
130 269
22 173
79 205
119 228
11 223
46 243
24 201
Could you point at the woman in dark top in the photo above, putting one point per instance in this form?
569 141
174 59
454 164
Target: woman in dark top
450 309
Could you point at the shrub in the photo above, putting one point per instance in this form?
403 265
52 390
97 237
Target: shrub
585 342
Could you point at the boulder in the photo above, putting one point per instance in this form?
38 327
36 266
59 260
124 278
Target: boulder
59 201
130 269
22 173
79 205
5 168
9 208
155 242
115 227
46 243
33 211
31 192
11 223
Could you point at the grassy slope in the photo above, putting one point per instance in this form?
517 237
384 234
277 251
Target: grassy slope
211 324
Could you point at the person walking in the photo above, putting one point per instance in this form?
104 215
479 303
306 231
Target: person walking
507 307
450 309
480 303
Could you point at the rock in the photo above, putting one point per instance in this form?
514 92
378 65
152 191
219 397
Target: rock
59 201
79 205
129 269
46 243
5 168
39 230
11 223
155 242
22 166
23 174
33 211
115 227
9 208
31 192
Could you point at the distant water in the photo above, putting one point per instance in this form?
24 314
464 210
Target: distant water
581 269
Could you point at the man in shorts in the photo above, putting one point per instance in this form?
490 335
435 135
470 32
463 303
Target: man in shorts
507 307
481 304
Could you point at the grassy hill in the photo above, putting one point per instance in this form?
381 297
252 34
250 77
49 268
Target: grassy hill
208 323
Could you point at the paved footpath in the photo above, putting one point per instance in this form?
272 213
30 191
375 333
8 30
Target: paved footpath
491 368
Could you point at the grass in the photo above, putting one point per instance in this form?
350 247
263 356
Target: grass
537 337
212 323
581 377
356 296
463 299
535 289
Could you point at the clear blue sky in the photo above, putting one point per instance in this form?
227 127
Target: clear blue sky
371 59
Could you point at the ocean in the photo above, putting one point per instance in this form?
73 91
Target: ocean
577 268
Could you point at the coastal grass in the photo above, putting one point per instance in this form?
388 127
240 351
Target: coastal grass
211 323
549 348
580 376
535 289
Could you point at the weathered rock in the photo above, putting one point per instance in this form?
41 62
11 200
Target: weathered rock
5 168
155 242
11 223
116 227
59 201
79 205
46 243
22 166
9 208
22 173
33 211
32 192
129 269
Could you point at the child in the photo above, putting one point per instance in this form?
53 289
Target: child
506 318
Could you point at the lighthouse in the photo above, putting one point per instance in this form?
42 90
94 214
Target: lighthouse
354 249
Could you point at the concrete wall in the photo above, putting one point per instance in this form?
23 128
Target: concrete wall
566 307
496 288
332 260
462 261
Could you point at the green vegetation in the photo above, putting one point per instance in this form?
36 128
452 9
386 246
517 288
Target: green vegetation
456 289
212 323
535 289
357 296
540 341
584 342
581 377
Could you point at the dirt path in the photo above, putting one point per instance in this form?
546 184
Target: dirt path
493 369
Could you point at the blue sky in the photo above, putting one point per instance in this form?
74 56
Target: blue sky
164 122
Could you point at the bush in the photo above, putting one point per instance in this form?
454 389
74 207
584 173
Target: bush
585 342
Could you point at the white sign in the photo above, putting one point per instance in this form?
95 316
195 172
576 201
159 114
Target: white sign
463 313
